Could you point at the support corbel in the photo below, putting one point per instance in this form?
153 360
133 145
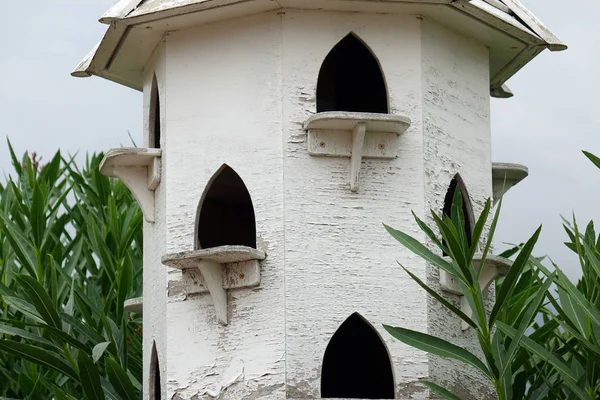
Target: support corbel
221 268
355 135
358 140
493 267
505 176
139 170
135 305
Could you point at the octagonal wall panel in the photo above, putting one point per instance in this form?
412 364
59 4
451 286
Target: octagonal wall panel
238 93
457 140
224 107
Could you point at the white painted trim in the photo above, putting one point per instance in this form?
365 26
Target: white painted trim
245 274
96 62
355 135
345 120
221 255
490 15
139 169
119 11
499 5
554 43
128 14
82 70
214 265
505 176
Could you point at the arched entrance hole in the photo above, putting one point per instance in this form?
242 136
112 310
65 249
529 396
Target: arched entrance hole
154 122
356 363
350 79
154 386
225 214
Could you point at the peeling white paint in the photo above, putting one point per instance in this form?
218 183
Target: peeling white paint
155 274
239 92
457 139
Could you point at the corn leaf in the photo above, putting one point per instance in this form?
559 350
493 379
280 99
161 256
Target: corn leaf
437 346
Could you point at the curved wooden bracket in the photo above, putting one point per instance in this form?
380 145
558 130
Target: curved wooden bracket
493 267
224 267
135 305
139 170
354 135
505 176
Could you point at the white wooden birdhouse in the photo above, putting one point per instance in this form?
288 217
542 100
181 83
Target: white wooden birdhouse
279 135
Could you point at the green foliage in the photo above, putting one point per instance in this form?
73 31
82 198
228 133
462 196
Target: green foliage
70 254
541 338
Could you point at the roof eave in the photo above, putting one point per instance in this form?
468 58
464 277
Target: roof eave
97 62
119 11
523 26
533 23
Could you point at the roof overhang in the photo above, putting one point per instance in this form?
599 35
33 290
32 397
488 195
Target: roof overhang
513 35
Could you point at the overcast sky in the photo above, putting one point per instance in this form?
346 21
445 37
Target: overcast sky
553 116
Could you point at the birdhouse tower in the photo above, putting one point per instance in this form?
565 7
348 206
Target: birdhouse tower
278 136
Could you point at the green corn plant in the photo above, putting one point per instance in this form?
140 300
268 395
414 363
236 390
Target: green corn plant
511 352
70 254
574 318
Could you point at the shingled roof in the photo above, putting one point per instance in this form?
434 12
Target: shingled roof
512 33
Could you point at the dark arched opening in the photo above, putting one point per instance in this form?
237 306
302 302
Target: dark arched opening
356 363
350 79
154 123
154 387
226 213
458 183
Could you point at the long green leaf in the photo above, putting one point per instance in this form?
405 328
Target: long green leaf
490 238
19 242
421 250
13 331
528 317
442 300
83 328
575 314
23 307
512 277
119 379
98 350
60 394
592 158
577 297
561 367
124 285
38 356
446 394
427 230
40 299
437 346
89 377
478 229
37 216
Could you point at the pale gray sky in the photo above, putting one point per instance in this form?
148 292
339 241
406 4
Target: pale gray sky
551 118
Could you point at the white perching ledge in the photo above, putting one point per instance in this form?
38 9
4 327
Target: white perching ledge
355 135
139 169
224 267
493 267
505 176
135 305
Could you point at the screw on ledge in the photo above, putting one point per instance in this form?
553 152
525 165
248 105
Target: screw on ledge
322 144
381 146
